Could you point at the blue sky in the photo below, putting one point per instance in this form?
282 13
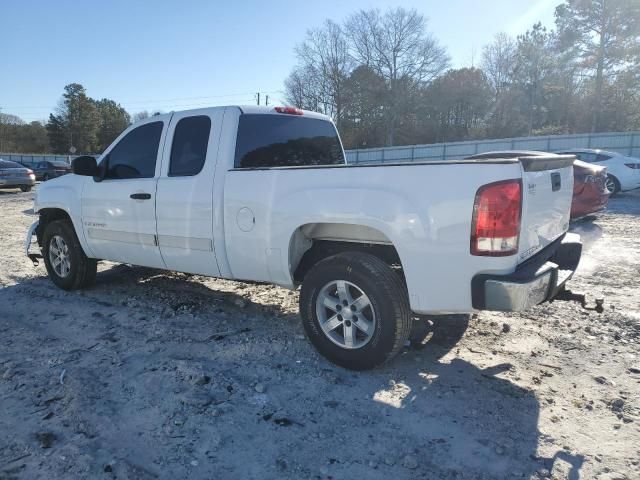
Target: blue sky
151 55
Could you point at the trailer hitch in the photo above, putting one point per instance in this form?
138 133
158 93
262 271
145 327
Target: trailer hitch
569 296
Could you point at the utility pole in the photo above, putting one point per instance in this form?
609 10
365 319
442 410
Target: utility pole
0 129
266 100
258 97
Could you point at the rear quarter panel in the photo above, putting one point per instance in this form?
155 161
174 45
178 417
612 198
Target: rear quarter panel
424 210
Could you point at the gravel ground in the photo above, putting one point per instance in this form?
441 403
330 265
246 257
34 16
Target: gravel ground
161 375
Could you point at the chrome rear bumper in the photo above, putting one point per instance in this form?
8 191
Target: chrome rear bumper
537 280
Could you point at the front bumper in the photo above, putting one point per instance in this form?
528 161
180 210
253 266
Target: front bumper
537 280
29 246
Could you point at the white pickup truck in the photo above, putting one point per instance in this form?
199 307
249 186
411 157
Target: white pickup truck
264 194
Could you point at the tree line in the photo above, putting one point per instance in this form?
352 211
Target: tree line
386 80
79 124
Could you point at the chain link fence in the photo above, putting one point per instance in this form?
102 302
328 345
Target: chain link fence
627 143
29 160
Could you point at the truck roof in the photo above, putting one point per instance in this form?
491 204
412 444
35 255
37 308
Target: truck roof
248 109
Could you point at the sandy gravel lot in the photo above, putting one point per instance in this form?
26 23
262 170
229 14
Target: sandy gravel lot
154 375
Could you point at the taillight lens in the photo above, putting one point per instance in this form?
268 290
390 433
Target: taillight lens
635 166
495 227
288 110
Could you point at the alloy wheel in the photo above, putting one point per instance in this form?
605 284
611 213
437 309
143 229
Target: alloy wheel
345 314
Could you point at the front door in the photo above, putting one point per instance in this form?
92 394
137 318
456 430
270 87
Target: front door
184 199
118 213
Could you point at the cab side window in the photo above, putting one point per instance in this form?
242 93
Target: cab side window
135 155
189 148
601 157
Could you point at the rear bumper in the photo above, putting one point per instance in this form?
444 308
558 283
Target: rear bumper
16 182
537 280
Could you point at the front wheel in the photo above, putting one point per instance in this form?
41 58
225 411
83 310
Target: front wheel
25 188
67 265
355 310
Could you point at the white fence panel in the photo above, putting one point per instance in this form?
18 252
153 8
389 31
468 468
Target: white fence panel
627 143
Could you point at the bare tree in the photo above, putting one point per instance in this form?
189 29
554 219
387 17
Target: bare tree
397 46
303 90
140 116
325 64
498 60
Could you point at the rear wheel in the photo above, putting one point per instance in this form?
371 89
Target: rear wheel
355 310
67 265
612 184
25 188
45 177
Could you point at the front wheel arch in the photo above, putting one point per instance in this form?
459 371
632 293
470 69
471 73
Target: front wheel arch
48 215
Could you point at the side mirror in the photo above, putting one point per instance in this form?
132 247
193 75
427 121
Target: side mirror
85 165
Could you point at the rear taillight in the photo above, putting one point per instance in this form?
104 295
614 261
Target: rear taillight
495 227
635 166
288 110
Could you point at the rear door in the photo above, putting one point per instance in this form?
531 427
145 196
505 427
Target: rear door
547 192
184 202
118 213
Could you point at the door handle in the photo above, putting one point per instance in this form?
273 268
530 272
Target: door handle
140 196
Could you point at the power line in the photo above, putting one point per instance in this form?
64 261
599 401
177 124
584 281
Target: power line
149 101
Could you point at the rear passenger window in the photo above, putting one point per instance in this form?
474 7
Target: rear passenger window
135 155
189 149
269 140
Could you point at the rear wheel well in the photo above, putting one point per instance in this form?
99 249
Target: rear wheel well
321 249
48 215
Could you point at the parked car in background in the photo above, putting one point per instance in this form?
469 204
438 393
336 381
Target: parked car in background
590 194
14 175
623 172
51 169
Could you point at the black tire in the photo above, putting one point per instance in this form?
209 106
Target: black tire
389 301
616 185
25 188
82 271
45 177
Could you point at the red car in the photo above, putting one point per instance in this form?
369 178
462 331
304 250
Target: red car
590 193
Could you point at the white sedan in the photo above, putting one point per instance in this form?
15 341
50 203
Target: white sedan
623 172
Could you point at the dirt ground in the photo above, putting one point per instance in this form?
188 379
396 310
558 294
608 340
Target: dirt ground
159 375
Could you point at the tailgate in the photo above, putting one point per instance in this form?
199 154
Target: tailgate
547 192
